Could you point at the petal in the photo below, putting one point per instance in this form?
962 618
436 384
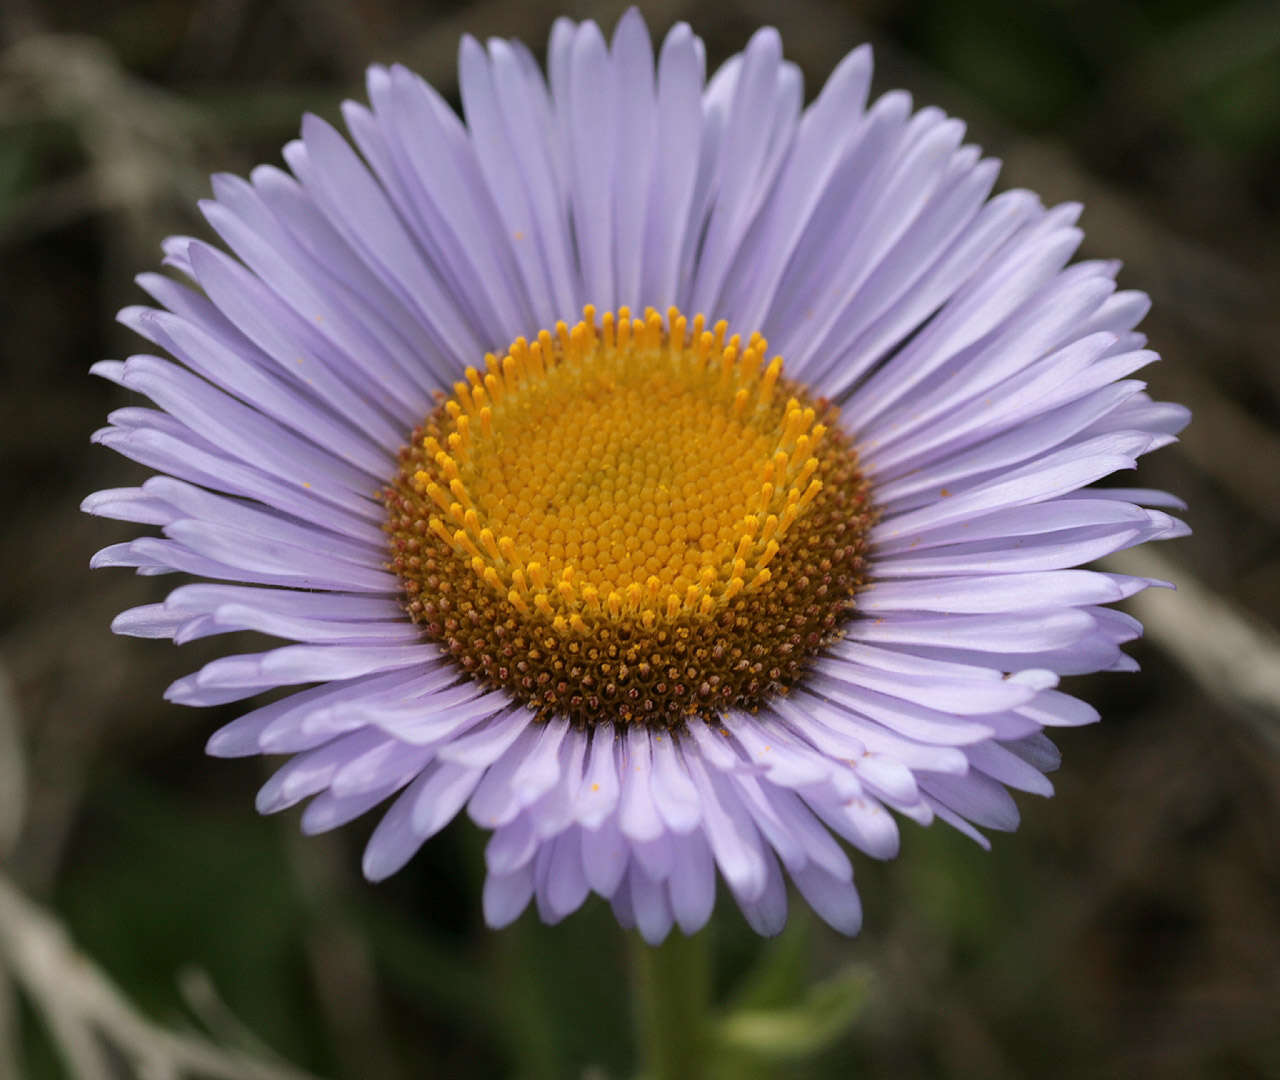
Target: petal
652 912
637 813
836 901
693 882
562 885
679 135
604 857
506 897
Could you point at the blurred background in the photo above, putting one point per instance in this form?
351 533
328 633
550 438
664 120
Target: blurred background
1130 929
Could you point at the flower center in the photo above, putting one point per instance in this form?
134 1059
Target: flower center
633 520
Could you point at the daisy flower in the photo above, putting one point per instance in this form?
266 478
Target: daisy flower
678 478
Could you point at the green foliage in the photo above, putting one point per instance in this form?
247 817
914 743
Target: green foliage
162 885
15 175
1018 57
822 1015
1238 110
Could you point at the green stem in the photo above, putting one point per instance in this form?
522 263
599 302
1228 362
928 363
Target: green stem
672 997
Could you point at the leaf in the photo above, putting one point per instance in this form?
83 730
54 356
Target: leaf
801 1030
780 974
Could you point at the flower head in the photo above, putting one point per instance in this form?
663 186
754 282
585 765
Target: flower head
669 475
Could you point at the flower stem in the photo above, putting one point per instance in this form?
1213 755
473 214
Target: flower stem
672 997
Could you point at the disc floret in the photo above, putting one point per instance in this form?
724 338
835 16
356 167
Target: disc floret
638 502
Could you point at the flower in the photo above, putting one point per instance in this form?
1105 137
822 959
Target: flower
650 598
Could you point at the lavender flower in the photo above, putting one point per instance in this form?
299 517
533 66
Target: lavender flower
668 474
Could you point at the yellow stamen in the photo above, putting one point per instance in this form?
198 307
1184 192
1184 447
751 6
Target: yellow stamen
621 467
